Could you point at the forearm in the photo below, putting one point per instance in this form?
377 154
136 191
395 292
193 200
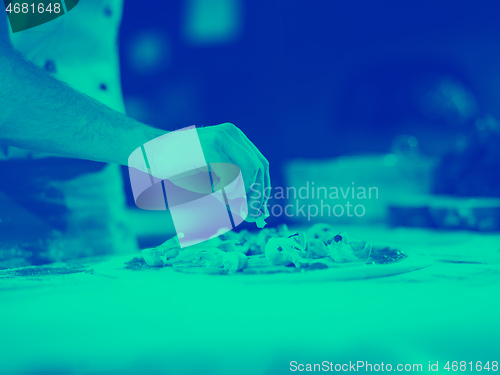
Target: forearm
41 113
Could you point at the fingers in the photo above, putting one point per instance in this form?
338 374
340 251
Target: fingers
262 179
266 181
225 143
256 198
251 168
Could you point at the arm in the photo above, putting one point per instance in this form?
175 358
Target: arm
41 113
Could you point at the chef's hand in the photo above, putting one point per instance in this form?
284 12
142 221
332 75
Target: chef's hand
225 143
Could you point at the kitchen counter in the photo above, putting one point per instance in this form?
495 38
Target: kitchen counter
100 316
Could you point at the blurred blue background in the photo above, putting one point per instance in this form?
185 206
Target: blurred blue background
316 80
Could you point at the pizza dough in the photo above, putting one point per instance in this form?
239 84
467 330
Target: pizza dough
270 250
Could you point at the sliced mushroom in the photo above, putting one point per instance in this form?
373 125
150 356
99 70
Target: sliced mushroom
234 261
152 257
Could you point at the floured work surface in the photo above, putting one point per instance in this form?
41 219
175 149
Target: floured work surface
466 257
102 315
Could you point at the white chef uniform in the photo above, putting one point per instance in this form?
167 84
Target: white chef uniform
79 48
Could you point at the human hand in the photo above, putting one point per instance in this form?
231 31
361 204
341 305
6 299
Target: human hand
225 143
